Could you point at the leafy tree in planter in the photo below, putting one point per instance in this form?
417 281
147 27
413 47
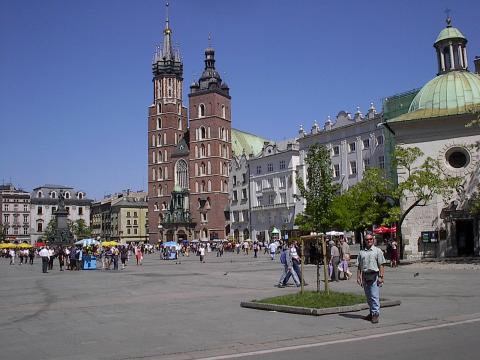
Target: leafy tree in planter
80 229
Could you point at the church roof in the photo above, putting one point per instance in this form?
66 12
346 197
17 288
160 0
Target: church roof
243 142
449 33
452 93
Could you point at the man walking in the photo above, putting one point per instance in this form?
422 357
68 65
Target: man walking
45 255
370 275
287 261
334 260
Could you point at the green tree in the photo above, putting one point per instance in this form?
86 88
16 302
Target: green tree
420 184
3 232
365 204
50 231
80 229
319 191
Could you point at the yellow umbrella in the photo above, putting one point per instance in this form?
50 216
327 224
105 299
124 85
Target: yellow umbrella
6 246
24 246
110 243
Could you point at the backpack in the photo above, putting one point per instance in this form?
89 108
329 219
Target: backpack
283 257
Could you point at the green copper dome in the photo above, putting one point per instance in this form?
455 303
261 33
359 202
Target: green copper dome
448 94
449 33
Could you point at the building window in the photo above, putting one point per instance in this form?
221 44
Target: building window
67 195
203 133
204 217
39 227
259 169
25 230
336 170
128 231
380 140
80 195
67 209
352 147
224 113
181 174
135 222
271 199
381 162
282 164
353 167
366 143
39 210
457 157
25 219
258 186
281 182
283 198
259 200
5 207
234 180
128 222
270 167
80 210
128 213
179 124
336 150
366 163
5 218
235 197
244 178
244 194
40 194
135 231
201 110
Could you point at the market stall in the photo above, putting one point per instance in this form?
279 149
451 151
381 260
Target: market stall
89 257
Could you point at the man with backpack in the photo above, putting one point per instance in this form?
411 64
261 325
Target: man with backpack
287 262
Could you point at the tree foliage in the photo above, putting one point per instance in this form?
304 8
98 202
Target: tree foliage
364 204
80 229
319 191
50 231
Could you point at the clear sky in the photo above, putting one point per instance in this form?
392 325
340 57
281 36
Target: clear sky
75 76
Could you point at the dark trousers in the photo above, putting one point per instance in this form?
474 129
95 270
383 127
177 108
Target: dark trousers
44 264
297 269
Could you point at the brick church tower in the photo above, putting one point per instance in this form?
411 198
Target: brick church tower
210 151
167 129
187 167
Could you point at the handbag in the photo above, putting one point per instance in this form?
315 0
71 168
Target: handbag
370 276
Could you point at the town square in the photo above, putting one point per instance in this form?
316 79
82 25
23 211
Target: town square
200 179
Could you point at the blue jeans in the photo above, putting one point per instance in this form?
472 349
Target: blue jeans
286 276
372 293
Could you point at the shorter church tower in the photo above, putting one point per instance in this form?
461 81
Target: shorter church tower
210 151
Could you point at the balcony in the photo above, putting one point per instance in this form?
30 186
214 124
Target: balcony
272 206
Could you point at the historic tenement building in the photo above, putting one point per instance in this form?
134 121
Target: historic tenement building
44 204
15 213
436 123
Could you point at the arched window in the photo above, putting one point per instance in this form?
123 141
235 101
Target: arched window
39 227
181 174
159 123
159 191
159 140
81 195
165 156
225 186
196 151
153 157
209 186
202 151
159 107
39 194
160 156
209 168
164 139
153 140
154 176
196 187
67 194
201 110
209 153
224 151
155 207
179 124
203 169
202 187
203 133
179 109
160 218
176 139
164 205
53 195
205 234
224 114
166 173
196 169
222 133
160 174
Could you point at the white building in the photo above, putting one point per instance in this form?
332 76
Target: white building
44 204
273 188
436 123
354 144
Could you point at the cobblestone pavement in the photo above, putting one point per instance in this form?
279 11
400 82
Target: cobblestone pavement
188 310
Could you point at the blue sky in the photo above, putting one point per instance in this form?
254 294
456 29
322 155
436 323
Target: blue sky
75 76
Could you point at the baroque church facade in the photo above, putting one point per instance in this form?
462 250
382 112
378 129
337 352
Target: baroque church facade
189 150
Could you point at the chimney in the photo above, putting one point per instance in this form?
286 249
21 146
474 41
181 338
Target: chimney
476 61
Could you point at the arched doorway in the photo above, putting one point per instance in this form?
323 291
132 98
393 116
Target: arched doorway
246 234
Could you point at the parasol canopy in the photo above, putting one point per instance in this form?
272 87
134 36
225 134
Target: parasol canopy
87 242
335 233
110 243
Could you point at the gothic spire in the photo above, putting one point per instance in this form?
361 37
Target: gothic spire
167 40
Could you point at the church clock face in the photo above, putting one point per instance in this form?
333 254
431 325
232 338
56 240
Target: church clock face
181 147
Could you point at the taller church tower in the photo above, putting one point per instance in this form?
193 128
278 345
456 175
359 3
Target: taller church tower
210 151
167 127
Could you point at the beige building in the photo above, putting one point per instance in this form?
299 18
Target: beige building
121 217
